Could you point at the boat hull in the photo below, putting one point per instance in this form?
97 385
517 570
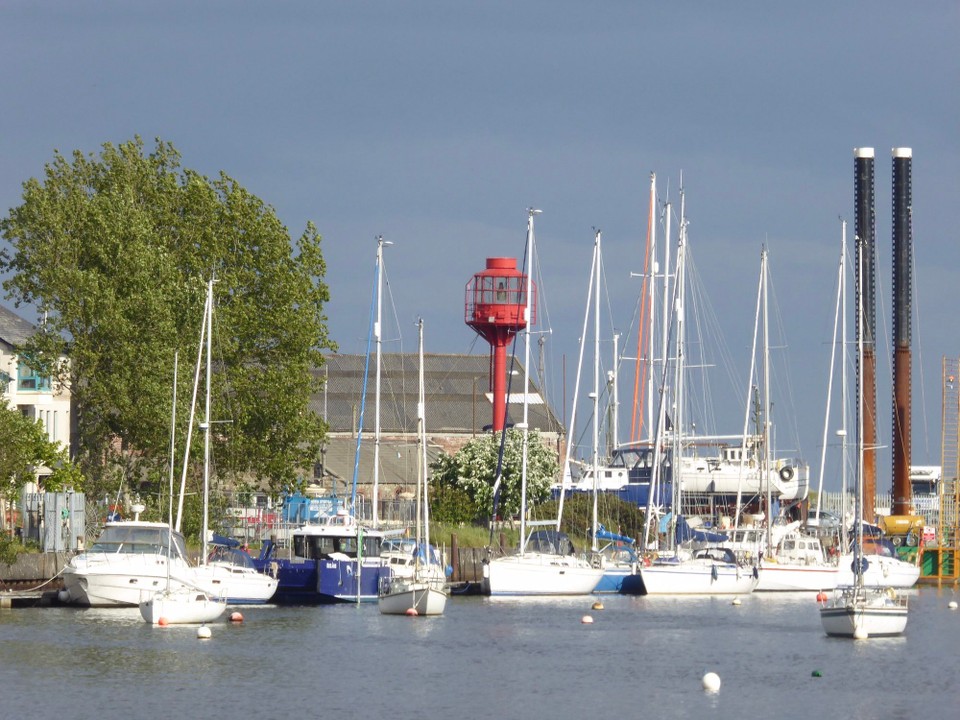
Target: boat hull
239 585
881 572
181 608
622 581
693 577
541 574
119 580
867 613
789 577
406 597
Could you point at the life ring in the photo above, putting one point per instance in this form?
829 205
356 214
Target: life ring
646 561
786 473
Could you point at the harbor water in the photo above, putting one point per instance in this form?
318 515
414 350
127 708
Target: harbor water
641 657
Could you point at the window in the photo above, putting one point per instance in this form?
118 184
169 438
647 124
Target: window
28 380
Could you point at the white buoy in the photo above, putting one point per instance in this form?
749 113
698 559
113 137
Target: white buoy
860 633
586 620
736 601
598 605
711 682
63 596
952 604
203 632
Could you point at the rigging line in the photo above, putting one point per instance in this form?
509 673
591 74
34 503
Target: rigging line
399 404
498 475
782 365
363 395
193 402
833 353
576 387
543 312
916 313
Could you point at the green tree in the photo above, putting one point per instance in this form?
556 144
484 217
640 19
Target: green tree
613 513
115 251
24 448
473 469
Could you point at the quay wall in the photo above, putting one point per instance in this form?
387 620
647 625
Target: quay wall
34 569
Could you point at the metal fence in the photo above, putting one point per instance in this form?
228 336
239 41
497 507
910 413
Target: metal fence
842 503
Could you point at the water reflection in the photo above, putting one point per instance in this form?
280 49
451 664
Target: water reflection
496 657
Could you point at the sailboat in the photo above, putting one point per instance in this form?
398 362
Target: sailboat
794 562
858 610
423 591
617 557
181 603
545 563
233 576
678 571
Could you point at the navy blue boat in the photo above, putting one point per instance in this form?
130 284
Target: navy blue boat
332 559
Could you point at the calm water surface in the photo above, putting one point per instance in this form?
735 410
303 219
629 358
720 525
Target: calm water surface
485 658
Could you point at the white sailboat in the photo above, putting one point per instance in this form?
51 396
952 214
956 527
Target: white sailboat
178 604
233 576
617 558
421 590
794 562
545 563
858 610
677 571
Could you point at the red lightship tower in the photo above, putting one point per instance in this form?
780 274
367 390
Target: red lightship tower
495 307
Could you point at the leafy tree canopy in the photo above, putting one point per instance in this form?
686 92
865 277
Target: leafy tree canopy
115 250
24 448
473 469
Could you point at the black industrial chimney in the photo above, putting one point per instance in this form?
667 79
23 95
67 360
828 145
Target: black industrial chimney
902 309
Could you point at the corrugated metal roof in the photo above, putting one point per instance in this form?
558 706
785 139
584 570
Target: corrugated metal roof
456 388
398 462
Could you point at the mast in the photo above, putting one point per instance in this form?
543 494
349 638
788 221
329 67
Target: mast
525 427
838 315
576 389
378 336
193 405
766 399
843 386
173 439
652 300
643 397
206 425
613 426
665 308
422 464
596 384
679 398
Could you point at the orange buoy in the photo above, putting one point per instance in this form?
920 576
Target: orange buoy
162 622
236 617
821 597
412 612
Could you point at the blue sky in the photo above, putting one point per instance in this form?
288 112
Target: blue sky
436 124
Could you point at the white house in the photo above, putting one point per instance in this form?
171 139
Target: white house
36 397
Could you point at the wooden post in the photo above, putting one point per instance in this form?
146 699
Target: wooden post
455 558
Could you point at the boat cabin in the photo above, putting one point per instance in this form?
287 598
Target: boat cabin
141 538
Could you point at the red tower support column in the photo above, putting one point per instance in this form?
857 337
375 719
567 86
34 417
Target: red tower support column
495 303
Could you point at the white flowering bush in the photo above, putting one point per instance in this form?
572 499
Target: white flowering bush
473 469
